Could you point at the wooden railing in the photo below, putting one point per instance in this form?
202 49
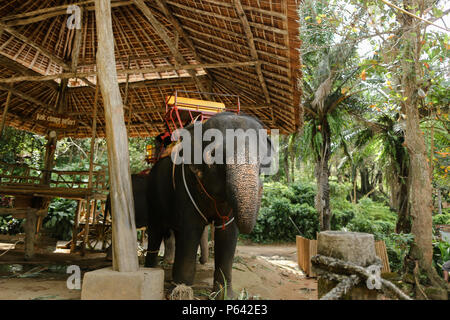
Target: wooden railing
21 174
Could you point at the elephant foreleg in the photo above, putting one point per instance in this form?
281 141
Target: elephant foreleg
224 248
187 241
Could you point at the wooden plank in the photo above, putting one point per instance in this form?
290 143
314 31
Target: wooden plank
312 253
381 252
122 204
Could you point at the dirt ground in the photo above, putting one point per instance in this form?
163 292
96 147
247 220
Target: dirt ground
261 271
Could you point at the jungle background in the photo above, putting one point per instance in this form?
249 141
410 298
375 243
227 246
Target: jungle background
369 71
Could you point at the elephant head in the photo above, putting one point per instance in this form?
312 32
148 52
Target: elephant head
231 166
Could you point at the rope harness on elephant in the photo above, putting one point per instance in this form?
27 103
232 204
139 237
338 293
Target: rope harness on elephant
225 219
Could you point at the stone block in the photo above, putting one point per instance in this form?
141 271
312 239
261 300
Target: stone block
106 284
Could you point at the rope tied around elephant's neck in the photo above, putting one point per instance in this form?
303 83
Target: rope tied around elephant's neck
225 219
190 196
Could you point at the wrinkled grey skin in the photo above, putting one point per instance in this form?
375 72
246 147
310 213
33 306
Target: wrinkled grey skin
237 190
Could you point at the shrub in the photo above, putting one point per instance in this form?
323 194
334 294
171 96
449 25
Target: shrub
279 202
441 219
60 218
441 254
10 225
397 246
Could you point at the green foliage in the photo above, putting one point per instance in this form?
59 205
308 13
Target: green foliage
10 225
443 218
397 246
441 254
60 218
279 202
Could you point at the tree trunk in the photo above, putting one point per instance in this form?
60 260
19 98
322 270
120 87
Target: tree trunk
420 190
322 201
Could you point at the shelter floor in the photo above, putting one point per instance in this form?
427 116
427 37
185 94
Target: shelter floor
265 271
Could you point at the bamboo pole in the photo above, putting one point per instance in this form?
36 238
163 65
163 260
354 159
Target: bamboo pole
122 204
5 111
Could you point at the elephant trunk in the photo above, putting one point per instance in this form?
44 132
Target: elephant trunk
244 190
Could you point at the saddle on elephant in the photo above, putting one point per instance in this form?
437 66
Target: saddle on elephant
181 112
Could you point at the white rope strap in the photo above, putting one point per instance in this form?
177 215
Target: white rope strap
189 194
223 225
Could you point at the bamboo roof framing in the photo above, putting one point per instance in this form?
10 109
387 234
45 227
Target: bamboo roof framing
243 47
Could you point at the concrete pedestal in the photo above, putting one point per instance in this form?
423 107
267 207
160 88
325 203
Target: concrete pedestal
355 247
106 284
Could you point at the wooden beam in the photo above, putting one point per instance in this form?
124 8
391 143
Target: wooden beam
47 13
68 75
154 83
251 44
176 24
77 44
36 46
25 97
5 111
122 203
19 68
61 102
162 33
229 19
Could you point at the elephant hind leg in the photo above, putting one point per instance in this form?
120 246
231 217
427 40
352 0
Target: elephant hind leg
204 247
154 242
169 248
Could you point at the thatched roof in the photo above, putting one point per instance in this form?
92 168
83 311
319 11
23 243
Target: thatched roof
243 47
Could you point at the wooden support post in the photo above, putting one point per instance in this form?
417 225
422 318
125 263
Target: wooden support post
86 226
50 149
5 111
75 228
91 171
30 231
122 204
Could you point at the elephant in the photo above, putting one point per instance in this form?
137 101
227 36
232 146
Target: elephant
186 197
141 186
